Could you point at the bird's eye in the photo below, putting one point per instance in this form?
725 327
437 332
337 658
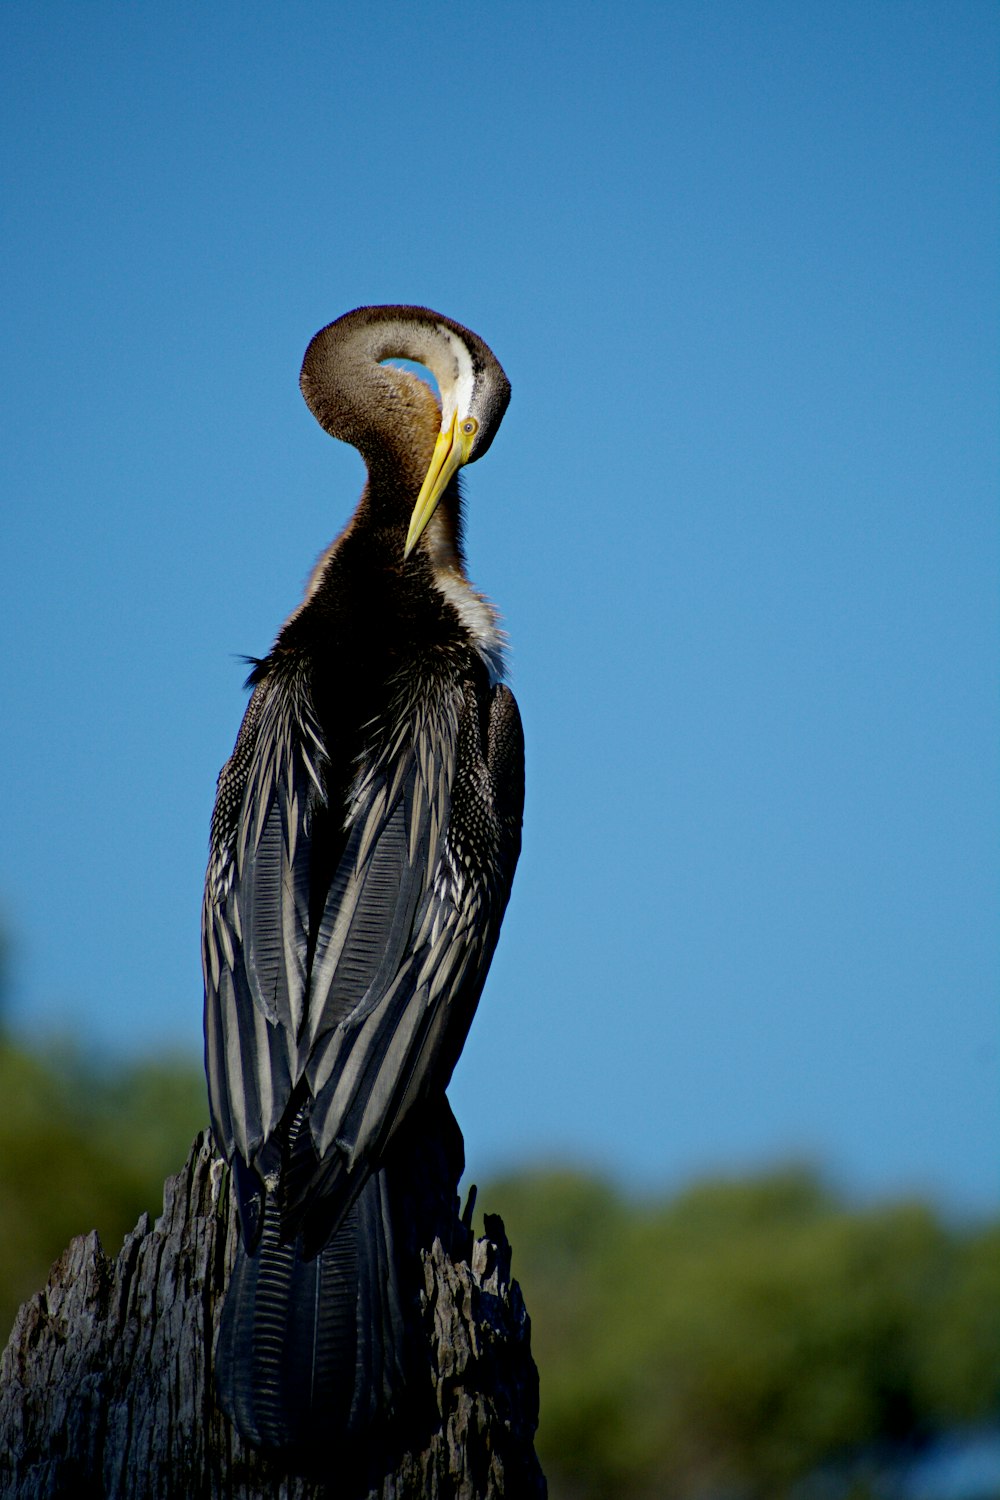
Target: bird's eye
470 427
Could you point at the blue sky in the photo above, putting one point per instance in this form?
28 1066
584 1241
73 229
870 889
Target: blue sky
739 263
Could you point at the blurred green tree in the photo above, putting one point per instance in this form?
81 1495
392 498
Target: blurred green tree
83 1148
747 1334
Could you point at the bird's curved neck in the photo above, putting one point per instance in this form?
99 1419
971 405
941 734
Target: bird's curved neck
393 419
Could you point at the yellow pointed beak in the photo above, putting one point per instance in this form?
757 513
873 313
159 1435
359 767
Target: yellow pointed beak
450 452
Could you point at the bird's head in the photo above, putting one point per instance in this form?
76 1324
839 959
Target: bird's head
352 395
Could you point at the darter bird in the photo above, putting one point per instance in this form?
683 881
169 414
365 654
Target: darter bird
363 844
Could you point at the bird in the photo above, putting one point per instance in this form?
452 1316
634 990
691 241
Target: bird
363 843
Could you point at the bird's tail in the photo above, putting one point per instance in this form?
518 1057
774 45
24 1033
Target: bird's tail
314 1348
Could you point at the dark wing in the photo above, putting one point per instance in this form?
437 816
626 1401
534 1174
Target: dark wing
255 916
371 1009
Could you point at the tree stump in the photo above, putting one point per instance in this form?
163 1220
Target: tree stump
106 1388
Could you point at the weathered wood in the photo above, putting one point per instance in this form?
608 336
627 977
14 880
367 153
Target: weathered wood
106 1390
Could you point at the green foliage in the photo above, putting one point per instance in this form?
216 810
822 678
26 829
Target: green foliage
83 1149
733 1341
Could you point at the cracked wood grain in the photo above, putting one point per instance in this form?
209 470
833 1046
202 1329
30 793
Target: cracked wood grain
106 1389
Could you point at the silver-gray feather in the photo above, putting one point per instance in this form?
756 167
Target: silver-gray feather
402 944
